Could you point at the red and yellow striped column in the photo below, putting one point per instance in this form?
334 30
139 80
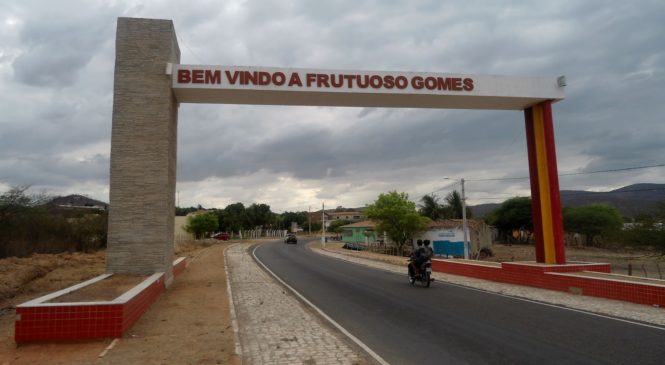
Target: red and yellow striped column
545 197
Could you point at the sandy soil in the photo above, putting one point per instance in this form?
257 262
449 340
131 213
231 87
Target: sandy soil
22 279
188 324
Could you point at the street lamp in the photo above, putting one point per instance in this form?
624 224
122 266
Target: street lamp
323 224
464 224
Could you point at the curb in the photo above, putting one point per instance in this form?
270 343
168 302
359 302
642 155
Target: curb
234 319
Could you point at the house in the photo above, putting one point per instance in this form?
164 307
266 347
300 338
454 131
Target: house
339 213
447 236
359 232
315 217
352 215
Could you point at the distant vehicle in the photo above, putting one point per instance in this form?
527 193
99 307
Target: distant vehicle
222 236
291 238
352 246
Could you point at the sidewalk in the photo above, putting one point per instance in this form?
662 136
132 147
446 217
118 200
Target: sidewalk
273 326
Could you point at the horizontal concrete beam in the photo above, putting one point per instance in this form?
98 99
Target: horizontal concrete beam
286 86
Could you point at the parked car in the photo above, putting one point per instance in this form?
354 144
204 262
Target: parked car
291 238
352 246
222 236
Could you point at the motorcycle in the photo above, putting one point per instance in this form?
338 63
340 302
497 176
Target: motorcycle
424 275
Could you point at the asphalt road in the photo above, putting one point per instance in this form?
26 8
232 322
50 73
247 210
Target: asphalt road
447 324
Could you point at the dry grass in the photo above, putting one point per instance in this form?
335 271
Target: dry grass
21 278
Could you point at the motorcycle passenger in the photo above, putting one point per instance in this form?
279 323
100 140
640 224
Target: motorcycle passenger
429 252
425 255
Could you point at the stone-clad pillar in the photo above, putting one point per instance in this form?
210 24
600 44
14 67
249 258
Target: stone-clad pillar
143 149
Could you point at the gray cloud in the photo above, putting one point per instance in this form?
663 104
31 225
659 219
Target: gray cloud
56 72
57 42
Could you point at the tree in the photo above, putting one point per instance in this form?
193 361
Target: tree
299 217
592 220
514 213
644 236
454 201
16 199
28 225
660 210
233 218
397 216
336 225
431 208
202 224
455 206
258 215
184 211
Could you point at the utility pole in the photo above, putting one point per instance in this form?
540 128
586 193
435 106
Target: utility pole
323 221
309 219
464 224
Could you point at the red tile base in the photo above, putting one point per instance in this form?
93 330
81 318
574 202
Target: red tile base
74 321
560 278
179 266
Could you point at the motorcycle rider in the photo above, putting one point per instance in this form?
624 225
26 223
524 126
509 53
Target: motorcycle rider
416 257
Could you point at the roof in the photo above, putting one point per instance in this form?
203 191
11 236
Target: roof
361 224
457 223
351 213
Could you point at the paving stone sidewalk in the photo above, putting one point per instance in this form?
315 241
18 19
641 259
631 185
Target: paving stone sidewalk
273 326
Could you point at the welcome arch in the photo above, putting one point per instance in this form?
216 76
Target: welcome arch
150 82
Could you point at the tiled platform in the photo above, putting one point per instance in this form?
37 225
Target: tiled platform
575 277
38 320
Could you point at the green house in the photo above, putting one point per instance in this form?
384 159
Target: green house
358 232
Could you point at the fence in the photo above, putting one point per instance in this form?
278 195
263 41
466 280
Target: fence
382 248
259 233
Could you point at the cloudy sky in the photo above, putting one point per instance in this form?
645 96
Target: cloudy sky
56 95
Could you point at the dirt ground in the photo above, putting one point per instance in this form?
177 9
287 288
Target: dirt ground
188 324
22 279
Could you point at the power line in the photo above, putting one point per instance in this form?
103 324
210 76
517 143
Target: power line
610 192
182 41
443 188
562 174
582 193
574 173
